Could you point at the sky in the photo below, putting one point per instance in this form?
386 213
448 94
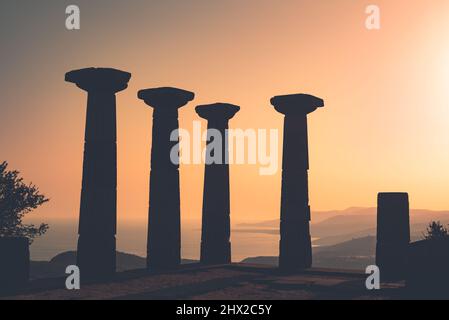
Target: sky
384 127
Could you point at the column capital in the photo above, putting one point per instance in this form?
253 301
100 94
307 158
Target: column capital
166 97
217 111
99 79
296 104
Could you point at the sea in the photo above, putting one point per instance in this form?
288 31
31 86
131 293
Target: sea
132 238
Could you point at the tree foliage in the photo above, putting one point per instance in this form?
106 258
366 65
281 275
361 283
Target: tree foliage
436 231
17 199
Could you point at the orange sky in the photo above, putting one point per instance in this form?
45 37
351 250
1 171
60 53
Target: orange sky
385 126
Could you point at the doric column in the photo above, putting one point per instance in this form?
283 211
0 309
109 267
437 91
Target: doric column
295 250
164 230
393 235
216 228
98 212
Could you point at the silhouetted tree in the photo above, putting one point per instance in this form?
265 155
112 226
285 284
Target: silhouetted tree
436 231
16 200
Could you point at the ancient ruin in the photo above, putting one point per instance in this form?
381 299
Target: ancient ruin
216 229
164 230
98 211
295 249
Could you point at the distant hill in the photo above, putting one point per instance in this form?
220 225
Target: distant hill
355 254
416 215
332 240
270 261
317 217
56 266
356 247
332 227
367 219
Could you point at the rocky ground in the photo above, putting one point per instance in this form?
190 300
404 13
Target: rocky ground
231 282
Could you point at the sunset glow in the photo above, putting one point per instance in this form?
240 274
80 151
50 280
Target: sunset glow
384 127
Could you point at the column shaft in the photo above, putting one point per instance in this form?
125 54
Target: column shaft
164 232
295 243
216 230
97 225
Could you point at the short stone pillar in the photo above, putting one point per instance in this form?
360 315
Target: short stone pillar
393 235
216 225
96 255
14 264
164 230
295 249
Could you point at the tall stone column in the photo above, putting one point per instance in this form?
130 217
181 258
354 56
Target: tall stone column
393 235
216 228
164 230
98 213
295 249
